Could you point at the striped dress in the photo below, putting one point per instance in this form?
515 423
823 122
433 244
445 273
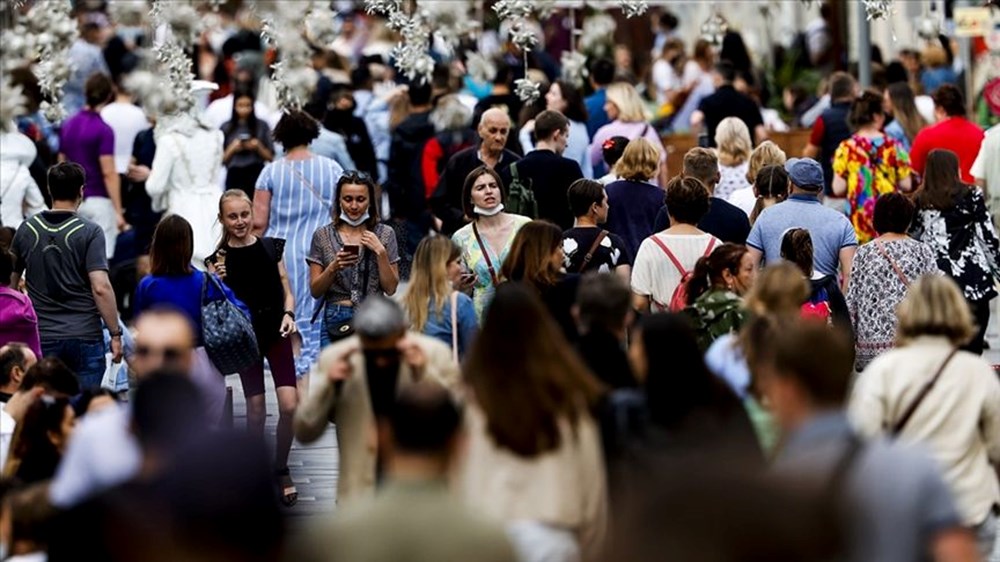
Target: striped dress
302 194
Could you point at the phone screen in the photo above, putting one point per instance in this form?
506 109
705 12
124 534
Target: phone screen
352 249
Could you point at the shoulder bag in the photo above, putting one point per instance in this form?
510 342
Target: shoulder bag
227 333
454 326
486 256
897 428
593 248
895 267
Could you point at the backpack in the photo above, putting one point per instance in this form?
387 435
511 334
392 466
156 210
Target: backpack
227 333
678 301
520 197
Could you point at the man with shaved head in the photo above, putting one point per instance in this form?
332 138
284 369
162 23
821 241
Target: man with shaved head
446 203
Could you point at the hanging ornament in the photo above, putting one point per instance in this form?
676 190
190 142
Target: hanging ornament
319 23
410 56
175 77
574 68
714 29
526 90
54 67
634 8
480 67
12 103
928 25
181 18
449 20
597 34
523 35
514 9
877 9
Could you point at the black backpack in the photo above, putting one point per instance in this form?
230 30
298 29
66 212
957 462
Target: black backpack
520 197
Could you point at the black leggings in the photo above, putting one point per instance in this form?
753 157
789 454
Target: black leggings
981 314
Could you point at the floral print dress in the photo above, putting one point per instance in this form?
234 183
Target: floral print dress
872 167
472 255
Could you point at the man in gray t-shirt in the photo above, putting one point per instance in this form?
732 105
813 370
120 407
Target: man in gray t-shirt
895 504
62 257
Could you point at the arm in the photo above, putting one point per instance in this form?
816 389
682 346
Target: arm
159 172
113 184
906 184
34 202
261 211
104 297
810 151
756 255
697 122
760 133
624 272
231 151
846 261
839 186
954 545
990 418
640 302
320 278
286 286
316 408
388 258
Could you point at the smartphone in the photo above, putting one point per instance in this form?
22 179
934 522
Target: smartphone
244 137
467 278
352 249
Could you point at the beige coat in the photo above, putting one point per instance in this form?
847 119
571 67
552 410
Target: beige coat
350 410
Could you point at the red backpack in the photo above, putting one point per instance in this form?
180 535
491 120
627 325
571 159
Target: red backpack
678 301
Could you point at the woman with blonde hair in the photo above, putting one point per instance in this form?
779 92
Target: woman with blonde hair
766 154
634 200
930 392
732 137
431 302
628 119
900 104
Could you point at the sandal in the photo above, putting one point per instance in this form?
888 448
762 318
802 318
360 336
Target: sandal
289 495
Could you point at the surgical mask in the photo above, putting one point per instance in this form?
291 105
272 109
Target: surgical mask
488 212
360 221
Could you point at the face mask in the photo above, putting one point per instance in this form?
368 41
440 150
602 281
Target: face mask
488 212
360 221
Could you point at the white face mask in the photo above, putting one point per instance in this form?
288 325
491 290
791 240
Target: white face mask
488 212
360 221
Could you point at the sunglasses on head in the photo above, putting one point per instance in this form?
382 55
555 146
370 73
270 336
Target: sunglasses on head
355 176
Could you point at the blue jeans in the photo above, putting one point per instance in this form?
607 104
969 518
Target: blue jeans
333 314
85 358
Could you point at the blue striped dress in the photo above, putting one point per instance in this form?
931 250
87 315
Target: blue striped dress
300 205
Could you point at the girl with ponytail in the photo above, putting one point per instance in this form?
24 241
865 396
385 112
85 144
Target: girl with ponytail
715 290
770 187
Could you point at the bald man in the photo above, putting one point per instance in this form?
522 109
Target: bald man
446 203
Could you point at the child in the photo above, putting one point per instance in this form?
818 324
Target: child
612 150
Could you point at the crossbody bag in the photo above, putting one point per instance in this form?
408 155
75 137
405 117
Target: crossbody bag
486 256
895 267
593 248
897 428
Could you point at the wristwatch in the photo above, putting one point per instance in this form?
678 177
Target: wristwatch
290 314
117 334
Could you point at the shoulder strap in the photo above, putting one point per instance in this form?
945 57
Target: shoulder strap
307 183
670 255
593 248
454 326
897 428
895 267
486 255
513 171
709 248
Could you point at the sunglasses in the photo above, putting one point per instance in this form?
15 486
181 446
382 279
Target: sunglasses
355 176
169 354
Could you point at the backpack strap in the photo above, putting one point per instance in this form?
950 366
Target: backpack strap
593 248
670 255
513 171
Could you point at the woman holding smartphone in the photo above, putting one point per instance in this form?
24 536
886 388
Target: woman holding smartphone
248 144
352 257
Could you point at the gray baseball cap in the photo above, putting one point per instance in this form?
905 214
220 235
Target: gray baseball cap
806 173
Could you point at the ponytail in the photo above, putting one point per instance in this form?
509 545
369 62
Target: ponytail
699 281
797 247
708 270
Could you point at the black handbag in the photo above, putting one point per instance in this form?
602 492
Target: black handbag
345 328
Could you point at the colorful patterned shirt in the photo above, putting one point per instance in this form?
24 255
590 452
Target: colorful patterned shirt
872 167
472 255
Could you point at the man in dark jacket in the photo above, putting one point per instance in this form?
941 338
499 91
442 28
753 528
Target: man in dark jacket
831 128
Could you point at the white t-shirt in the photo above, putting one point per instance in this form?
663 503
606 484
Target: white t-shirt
731 179
655 275
127 121
7 426
664 78
744 199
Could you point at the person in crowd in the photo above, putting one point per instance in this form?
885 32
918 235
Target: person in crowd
665 258
15 360
612 151
422 439
833 236
826 300
86 59
665 76
602 74
67 279
727 102
566 99
628 119
959 422
634 199
502 96
523 446
587 246
248 144
881 276
953 220
697 81
868 164
453 133
723 220
937 69
20 196
796 101
340 119
33 124
138 205
603 313
328 144
447 202
355 383
254 268
40 440
715 290
486 241
174 282
433 303
898 101
126 120
805 379
353 257
18 320
87 140
831 128
47 376
536 260
293 201
986 171
766 154
734 149
952 131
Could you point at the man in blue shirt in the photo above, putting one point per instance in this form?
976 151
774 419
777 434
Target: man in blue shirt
602 73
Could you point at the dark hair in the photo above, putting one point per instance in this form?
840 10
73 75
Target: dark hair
167 411
32 90
771 181
525 385
6 267
98 89
583 194
32 446
842 86
548 122
604 301
797 247
467 206
942 185
65 181
504 74
576 109
374 196
172 247
893 213
702 164
668 20
949 98
864 110
51 374
424 419
687 200
612 150
708 270
420 92
726 70
234 120
735 51
529 259
295 128
819 357
895 73
602 71
13 356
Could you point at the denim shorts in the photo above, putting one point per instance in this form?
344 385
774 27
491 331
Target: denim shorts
333 314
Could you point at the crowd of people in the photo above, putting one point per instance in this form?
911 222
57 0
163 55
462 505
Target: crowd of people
532 339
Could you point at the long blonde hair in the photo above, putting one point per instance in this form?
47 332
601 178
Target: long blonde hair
429 279
628 102
733 139
231 194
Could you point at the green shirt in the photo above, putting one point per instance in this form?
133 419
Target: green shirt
716 313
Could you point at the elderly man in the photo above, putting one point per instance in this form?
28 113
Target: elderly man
356 381
15 360
446 202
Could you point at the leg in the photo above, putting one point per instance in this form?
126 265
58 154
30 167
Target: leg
253 388
91 364
282 363
981 315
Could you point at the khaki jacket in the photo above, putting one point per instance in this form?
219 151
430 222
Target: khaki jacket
350 410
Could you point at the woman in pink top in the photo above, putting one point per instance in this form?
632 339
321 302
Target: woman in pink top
18 322
628 119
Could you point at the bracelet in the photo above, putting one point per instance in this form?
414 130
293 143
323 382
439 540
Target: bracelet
290 314
115 335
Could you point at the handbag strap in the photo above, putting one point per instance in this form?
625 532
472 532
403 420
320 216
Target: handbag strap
897 428
307 183
895 267
454 326
486 255
593 248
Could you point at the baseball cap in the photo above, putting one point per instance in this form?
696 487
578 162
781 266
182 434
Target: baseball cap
806 173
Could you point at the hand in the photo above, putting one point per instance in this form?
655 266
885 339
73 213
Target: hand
220 270
123 225
340 369
287 326
235 146
370 241
464 282
412 355
137 173
116 350
251 144
343 261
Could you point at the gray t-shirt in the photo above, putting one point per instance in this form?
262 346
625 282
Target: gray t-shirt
830 231
57 250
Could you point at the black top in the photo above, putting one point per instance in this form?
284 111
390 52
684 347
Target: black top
252 273
727 102
559 300
606 357
405 186
835 131
359 142
446 202
549 176
725 221
611 252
